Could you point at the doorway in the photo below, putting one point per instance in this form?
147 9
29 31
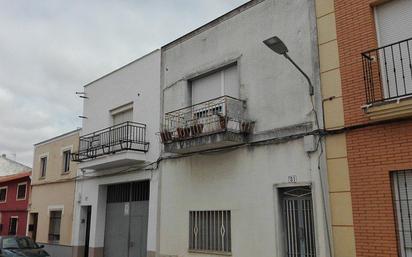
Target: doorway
298 225
88 211
127 213
33 226
13 226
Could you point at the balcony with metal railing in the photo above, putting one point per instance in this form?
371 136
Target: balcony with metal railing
216 123
122 144
387 73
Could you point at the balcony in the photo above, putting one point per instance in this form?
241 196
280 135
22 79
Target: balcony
213 124
387 75
122 144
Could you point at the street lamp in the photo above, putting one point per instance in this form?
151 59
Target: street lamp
279 47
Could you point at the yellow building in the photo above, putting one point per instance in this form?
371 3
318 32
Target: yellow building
52 198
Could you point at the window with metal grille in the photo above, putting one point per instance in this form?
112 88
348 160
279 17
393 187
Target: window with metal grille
43 167
21 191
402 190
128 192
66 161
54 226
3 194
210 231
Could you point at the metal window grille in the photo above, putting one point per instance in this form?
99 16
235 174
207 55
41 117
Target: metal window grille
54 225
402 190
66 160
21 191
128 192
210 231
298 222
43 166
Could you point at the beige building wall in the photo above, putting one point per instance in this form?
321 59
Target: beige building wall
338 172
56 190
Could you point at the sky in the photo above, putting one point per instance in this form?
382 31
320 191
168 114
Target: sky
50 49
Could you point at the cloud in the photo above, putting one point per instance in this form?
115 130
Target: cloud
49 49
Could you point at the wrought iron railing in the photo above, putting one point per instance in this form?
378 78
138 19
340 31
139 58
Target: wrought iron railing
125 136
214 116
387 72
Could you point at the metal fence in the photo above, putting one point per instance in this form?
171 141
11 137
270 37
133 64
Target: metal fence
217 115
387 72
125 136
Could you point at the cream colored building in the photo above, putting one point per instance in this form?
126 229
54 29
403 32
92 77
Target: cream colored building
52 198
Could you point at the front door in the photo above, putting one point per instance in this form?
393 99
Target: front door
87 236
298 222
127 220
13 226
34 219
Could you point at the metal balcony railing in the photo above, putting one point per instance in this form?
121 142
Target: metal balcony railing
387 72
214 116
125 136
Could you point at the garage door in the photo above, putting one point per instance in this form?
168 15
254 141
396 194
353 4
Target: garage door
126 220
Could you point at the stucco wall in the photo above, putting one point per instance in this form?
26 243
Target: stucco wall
137 82
56 190
276 94
54 196
53 149
246 180
92 192
13 207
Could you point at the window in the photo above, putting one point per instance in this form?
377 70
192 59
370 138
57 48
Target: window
220 83
402 189
13 226
3 194
210 231
393 24
66 161
54 226
122 116
43 167
21 191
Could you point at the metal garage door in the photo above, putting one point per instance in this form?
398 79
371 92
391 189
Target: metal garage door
126 220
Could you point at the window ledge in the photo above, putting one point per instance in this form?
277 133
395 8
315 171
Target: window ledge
211 252
399 108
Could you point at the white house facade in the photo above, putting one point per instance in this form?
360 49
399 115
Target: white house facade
117 183
243 170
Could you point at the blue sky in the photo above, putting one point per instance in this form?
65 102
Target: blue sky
49 49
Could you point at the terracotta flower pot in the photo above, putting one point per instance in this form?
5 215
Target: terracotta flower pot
196 129
166 136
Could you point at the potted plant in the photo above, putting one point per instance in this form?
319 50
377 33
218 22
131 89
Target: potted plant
196 128
166 136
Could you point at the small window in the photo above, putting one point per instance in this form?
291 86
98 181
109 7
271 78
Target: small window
3 194
43 167
66 161
54 226
21 191
402 185
210 231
